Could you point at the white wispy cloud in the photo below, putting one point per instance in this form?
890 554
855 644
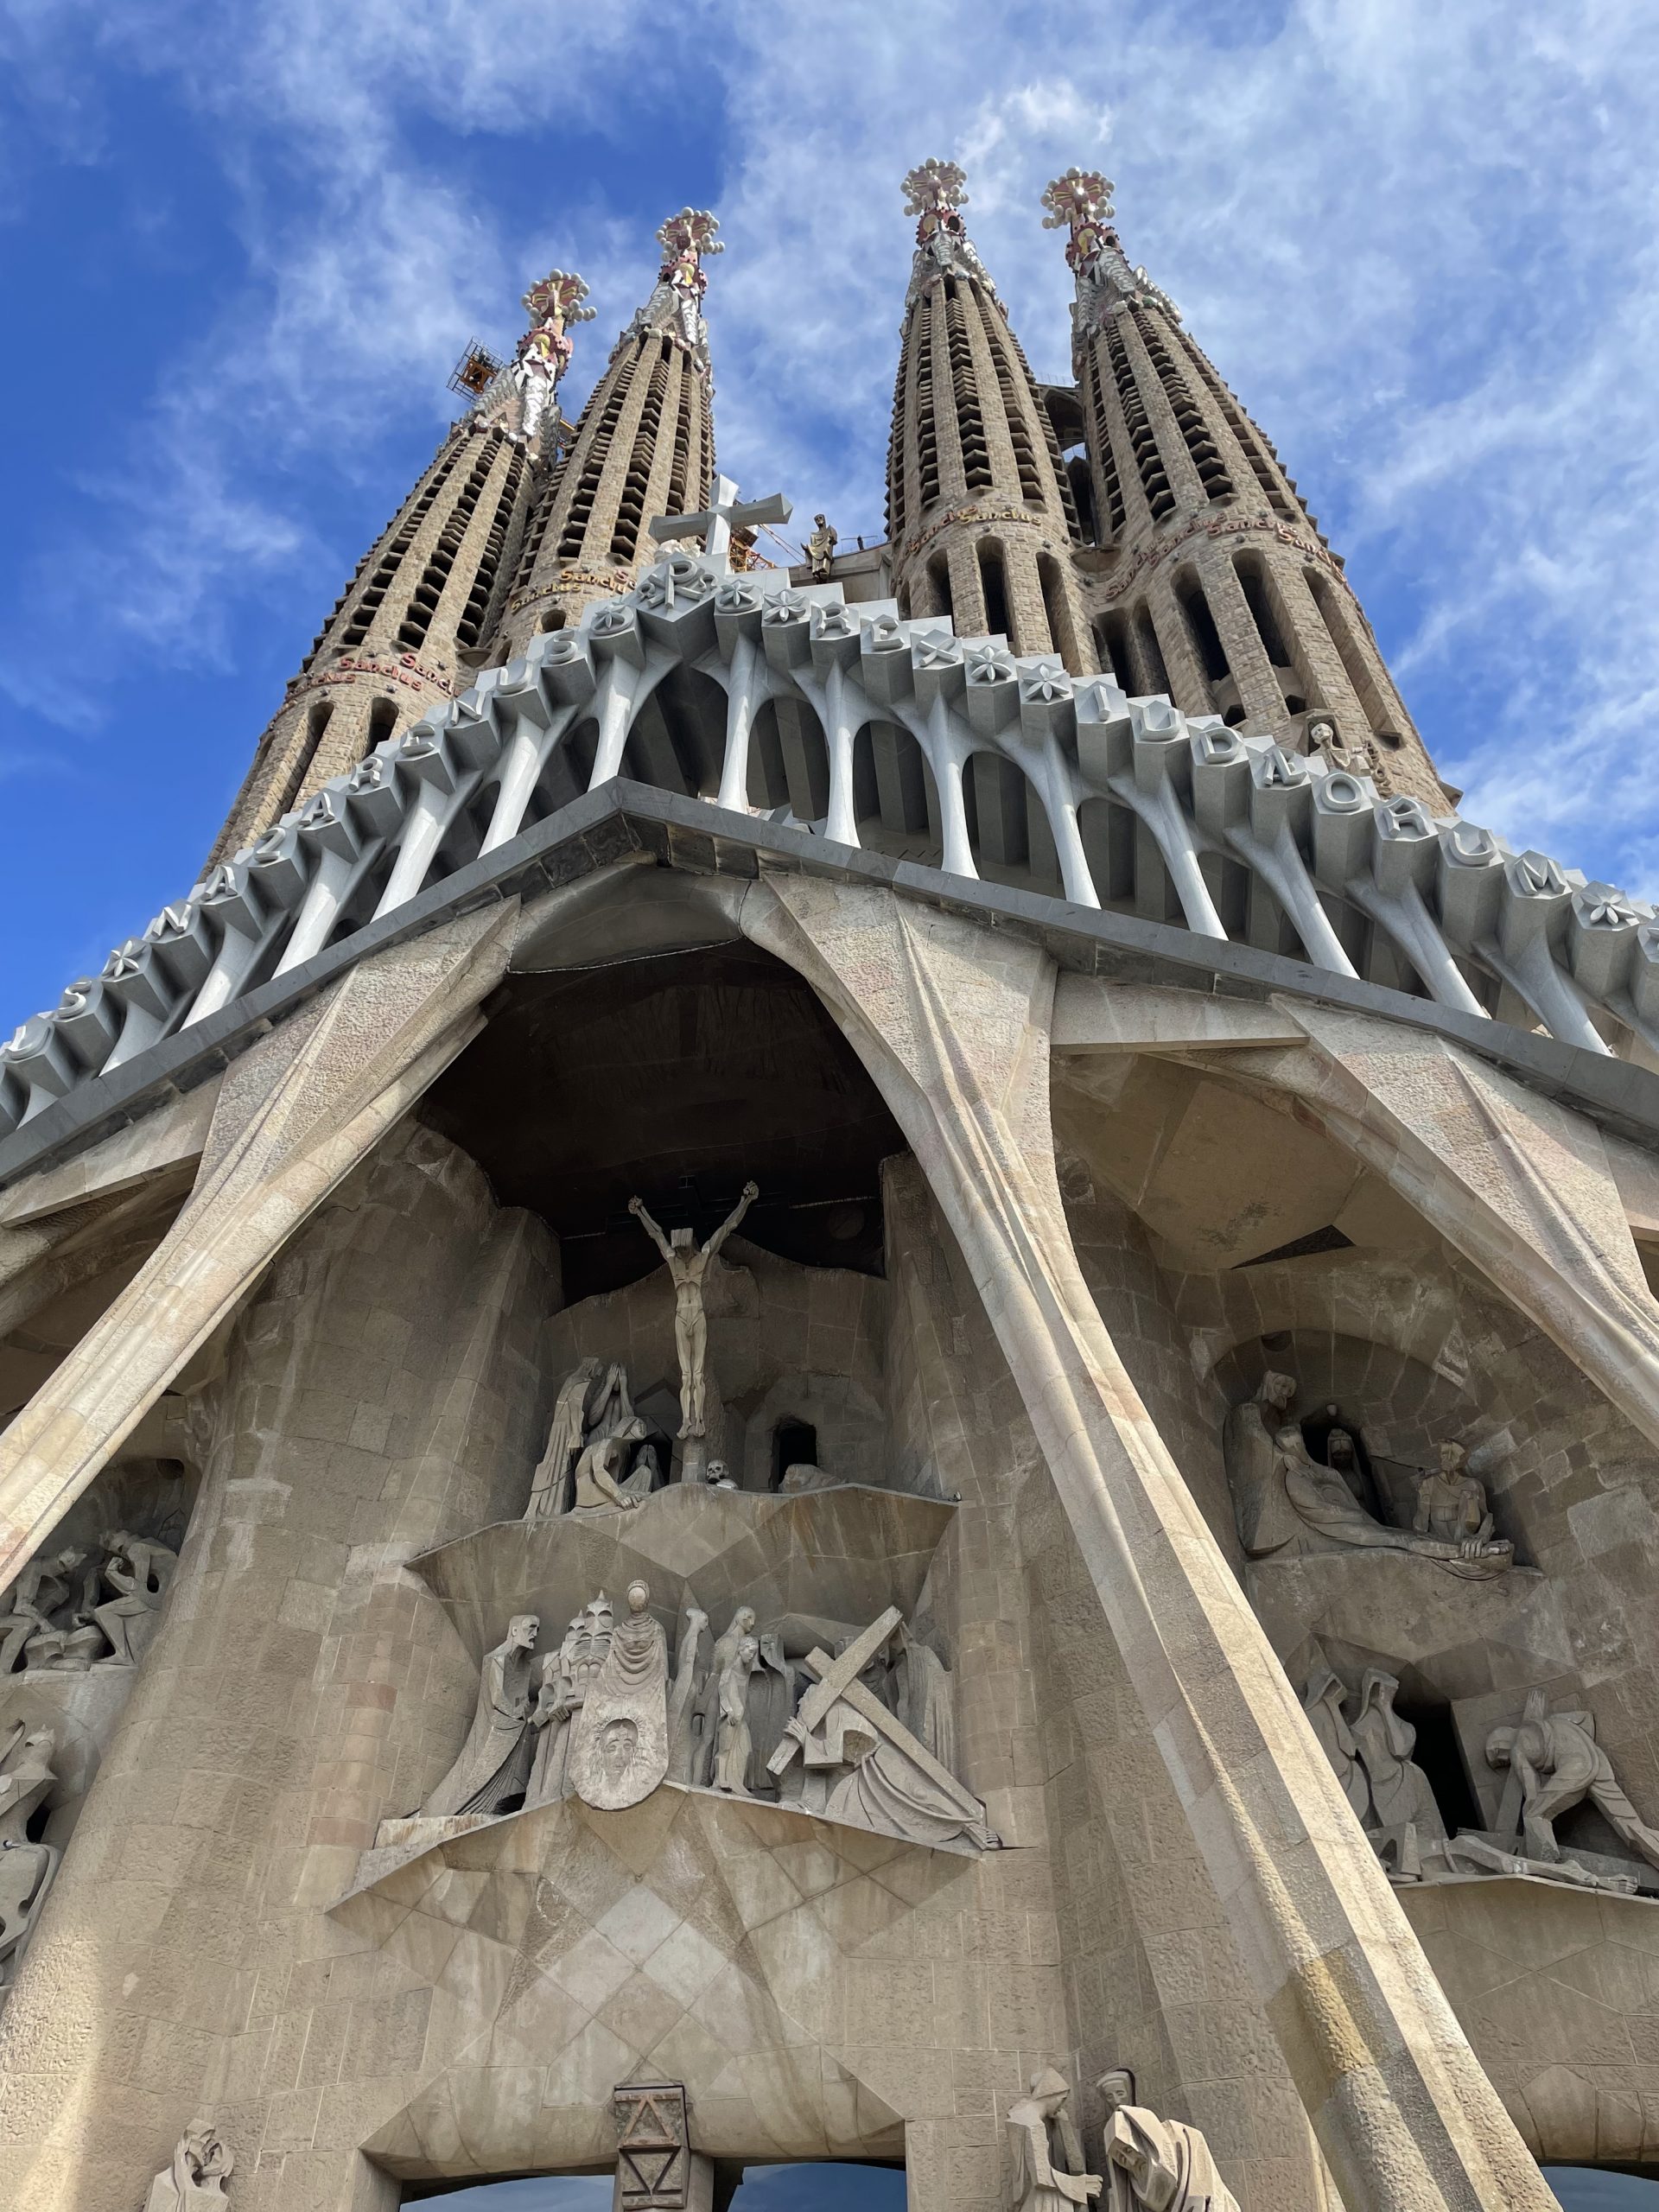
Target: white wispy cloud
1417 239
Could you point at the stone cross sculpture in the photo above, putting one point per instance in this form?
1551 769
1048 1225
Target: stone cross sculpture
879 1775
195 2177
687 1263
1048 2175
619 1741
1153 2164
728 513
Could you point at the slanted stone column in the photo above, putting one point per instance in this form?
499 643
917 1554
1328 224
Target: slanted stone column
1521 1185
952 1022
295 1114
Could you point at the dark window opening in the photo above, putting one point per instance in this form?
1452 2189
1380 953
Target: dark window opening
383 720
1112 641
1201 623
552 621
1152 653
994 584
794 1444
1436 1751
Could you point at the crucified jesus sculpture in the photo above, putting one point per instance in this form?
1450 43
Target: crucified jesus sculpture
687 1264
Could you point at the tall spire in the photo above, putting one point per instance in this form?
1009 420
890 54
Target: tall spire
980 508
643 446
414 619
1219 587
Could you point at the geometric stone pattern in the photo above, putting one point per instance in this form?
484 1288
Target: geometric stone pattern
1441 895
813 1987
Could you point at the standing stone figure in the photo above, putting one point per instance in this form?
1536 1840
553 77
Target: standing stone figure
549 1492
1559 1763
196 2176
1401 1791
1248 1451
706 1718
557 1703
733 1745
1153 2165
494 1761
821 549
1048 2175
922 1687
686 1266
619 1743
26 1779
681 1709
1322 1702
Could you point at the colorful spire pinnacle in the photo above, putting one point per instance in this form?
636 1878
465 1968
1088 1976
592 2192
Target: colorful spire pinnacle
933 192
1080 201
675 303
544 351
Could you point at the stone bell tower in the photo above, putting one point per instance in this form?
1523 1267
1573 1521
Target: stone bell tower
980 509
404 634
1218 586
643 446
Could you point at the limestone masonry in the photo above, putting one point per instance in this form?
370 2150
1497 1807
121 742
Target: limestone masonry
849 1362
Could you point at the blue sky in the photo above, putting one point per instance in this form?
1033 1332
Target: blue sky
243 246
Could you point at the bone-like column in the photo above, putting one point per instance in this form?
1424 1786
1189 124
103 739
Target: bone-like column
295 1114
952 1022
1521 1185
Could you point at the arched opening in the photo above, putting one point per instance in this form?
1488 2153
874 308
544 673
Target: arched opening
318 716
679 739
553 619
794 1444
1276 631
1061 630
895 800
1149 654
1112 646
993 583
1352 653
1007 828
938 587
383 723
1201 630
789 761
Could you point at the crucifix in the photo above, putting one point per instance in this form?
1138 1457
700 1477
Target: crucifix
728 513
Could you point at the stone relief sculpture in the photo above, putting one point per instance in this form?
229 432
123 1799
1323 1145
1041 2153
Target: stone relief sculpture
1048 2169
1289 1505
1323 1702
494 1762
27 1869
733 1744
75 1609
619 1741
924 1696
32 1602
1153 2164
195 2177
687 1264
1557 1765
549 1492
137 1574
1371 1757
859 1763
707 1718
597 1470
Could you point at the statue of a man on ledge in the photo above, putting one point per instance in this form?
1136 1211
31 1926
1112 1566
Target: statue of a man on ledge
687 1264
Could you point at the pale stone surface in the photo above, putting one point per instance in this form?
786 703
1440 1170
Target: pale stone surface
294 1116
1324 1936
1048 2172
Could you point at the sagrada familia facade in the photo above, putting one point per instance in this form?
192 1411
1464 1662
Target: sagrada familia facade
838 1362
